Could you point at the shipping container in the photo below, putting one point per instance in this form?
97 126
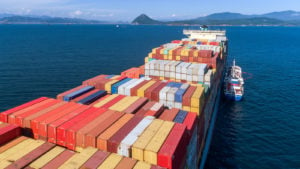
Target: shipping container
115 140
9 132
111 161
91 136
93 97
172 153
31 156
4 115
95 160
107 134
169 114
126 163
72 130
77 93
96 122
44 159
140 144
78 159
124 148
52 127
59 160
151 150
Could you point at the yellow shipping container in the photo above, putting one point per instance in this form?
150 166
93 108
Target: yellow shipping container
109 84
162 51
79 158
142 165
177 58
154 50
195 54
170 57
19 152
106 100
140 91
140 144
15 149
166 57
161 78
124 103
197 96
146 59
151 150
186 108
115 77
196 110
111 161
43 160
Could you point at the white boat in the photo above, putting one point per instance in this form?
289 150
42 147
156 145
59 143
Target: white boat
234 83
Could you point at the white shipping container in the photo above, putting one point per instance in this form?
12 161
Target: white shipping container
147 66
132 85
167 74
189 78
170 104
128 141
171 94
172 75
179 67
163 93
183 76
184 68
121 88
161 73
177 76
173 66
147 72
156 106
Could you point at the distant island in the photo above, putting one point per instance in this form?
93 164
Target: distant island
15 19
284 18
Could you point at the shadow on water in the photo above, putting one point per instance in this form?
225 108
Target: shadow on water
225 132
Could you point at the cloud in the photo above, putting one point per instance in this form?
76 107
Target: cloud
173 15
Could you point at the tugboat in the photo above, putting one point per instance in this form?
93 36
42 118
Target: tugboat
234 83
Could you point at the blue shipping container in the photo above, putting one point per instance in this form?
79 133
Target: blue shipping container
91 98
78 93
180 116
114 87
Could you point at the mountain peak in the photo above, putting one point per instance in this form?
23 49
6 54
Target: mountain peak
145 19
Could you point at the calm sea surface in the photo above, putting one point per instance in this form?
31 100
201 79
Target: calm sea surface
262 131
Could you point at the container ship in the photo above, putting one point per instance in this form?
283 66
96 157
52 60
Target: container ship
158 115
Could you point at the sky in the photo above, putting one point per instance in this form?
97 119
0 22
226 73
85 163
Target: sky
127 10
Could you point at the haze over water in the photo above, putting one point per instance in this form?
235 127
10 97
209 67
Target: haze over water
262 131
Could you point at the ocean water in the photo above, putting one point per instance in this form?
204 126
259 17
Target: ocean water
262 131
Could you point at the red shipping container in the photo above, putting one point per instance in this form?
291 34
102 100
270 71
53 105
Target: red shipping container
61 95
91 136
186 100
95 160
87 82
34 123
9 132
4 115
169 114
11 117
133 91
133 108
96 122
59 160
24 119
53 125
30 157
148 91
18 118
155 92
145 108
61 130
115 140
172 153
191 122
155 110
43 125
101 83
113 101
71 132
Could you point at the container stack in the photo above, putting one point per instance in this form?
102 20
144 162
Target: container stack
152 116
24 152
